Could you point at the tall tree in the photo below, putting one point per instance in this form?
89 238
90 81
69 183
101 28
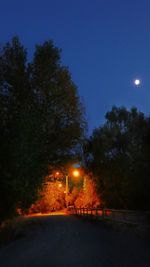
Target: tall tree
119 155
58 100
42 120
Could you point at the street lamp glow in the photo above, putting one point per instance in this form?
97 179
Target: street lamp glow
76 173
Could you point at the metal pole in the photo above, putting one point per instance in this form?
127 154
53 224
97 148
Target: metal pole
84 184
67 190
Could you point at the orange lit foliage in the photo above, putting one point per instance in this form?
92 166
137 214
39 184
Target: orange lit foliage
87 197
52 197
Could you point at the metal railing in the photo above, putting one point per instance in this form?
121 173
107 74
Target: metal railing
128 216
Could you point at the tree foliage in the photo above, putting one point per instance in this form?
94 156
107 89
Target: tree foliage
119 155
88 197
51 197
41 120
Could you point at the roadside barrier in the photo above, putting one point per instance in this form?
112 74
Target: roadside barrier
127 216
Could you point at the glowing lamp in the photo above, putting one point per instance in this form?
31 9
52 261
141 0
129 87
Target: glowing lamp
76 173
60 185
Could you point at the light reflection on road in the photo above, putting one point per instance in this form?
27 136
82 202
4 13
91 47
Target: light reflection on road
54 213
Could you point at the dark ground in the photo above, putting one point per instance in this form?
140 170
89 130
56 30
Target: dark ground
67 241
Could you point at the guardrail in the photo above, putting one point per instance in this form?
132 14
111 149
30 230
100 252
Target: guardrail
128 216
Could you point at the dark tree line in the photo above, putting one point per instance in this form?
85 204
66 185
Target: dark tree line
118 153
41 121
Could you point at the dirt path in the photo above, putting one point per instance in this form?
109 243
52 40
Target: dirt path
66 241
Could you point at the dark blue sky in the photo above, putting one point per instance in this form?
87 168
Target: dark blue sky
105 43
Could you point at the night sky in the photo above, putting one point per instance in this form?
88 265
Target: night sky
105 44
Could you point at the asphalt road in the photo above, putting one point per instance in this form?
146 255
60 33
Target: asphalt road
67 241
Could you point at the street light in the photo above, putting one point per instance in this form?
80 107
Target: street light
72 172
60 185
75 173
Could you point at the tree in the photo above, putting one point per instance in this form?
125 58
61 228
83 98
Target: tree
51 197
61 109
88 196
42 121
119 155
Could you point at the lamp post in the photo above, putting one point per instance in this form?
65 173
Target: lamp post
84 183
75 173
67 190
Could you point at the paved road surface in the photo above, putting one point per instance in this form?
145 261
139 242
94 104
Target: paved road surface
54 241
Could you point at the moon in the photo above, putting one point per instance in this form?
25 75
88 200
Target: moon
137 82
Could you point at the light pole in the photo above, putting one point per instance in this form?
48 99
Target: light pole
76 174
84 183
67 190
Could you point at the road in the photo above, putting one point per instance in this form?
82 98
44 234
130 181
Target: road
66 241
